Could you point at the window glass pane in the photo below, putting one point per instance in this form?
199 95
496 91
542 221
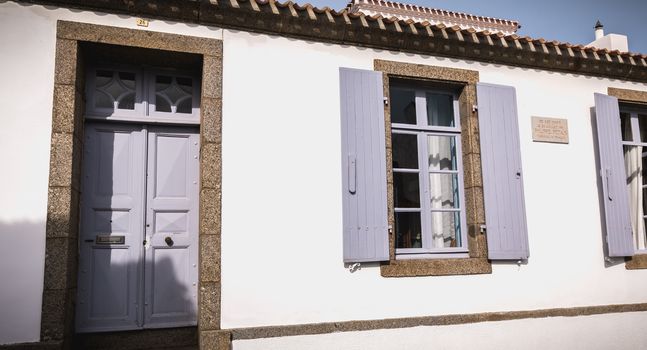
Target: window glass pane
444 190
173 91
403 106
642 122
406 190
185 84
405 151
625 126
408 230
103 77
442 152
161 104
634 168
445 229
440 109
185 106
162 82
103 100
127 101
127 79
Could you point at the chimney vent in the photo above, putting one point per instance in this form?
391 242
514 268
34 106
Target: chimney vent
599 30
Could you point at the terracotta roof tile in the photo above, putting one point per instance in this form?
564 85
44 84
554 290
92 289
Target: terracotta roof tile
326 24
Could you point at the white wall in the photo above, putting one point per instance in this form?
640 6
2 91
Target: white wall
27 48
282 216
600 332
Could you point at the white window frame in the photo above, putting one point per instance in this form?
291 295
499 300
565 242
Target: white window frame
172 116
422 131
144 97
94 112
633 112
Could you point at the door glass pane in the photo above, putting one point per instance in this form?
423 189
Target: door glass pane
406 190
185 106
103 100
408 230
442 152
444 190
403 106
445 229
440 110
127 101
625 126
405 151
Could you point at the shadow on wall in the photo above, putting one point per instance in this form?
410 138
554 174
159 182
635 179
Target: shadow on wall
22 251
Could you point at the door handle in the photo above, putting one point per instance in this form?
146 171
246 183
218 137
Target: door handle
169 241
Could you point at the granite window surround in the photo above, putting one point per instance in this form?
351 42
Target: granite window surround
637 261
61 255
464 81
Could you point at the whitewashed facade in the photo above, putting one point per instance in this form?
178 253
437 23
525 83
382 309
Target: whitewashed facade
281 241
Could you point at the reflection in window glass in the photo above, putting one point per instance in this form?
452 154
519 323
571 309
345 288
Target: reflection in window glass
408 230
445 229
440 110
444 191
127 101
442 152
405 151
625 126
406 190
642 122
403 106
111 87
185 106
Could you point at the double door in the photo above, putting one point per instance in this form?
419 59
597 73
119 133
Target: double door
138 228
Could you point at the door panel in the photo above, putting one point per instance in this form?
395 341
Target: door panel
112 206
171 228
139 184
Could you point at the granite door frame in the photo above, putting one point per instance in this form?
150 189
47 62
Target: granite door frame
61 252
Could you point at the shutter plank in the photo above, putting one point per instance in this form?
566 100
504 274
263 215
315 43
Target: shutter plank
505 214
614 178
365 220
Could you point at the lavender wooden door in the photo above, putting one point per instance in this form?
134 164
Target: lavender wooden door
171 228
139 218
112 228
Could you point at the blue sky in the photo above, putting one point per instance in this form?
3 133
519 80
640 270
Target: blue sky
563 20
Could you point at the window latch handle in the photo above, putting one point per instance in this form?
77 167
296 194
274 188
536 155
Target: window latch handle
352 173
607 175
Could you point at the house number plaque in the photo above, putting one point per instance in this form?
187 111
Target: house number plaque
107 239
549 130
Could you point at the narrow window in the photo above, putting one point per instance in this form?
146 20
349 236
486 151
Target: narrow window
633 122
427 173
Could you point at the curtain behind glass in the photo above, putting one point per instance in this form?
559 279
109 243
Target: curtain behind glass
633 166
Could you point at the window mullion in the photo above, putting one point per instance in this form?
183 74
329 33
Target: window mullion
425 214
461 191
421 109
635 127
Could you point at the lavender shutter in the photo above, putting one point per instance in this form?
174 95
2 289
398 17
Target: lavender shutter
614 179
363 166
505 213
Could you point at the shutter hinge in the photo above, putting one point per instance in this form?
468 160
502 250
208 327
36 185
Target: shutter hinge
482 229
354 267
386 101
475 108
